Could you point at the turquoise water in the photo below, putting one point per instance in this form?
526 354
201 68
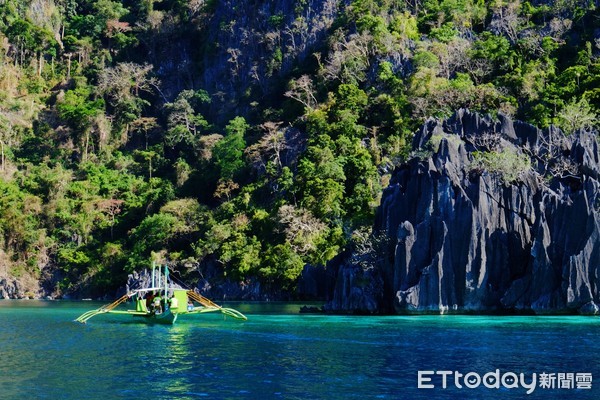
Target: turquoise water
280 354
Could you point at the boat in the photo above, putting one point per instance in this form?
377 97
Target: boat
162 303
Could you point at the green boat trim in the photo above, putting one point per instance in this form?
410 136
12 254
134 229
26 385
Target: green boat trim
172 302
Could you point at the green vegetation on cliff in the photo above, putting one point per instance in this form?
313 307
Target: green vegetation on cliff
254 137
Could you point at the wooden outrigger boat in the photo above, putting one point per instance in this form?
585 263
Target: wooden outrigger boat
162 304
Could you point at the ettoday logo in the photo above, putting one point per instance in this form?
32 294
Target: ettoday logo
509 380
472 380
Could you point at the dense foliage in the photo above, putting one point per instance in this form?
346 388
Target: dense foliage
113 151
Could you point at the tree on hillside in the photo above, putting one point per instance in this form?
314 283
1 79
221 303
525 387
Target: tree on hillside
6 134
577 115
183 122
228 153
123 86
269 148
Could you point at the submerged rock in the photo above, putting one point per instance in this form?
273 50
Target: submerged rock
492 216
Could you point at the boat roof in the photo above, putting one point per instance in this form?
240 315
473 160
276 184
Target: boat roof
154 289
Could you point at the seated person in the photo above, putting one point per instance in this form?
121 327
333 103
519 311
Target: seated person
157 305
174 302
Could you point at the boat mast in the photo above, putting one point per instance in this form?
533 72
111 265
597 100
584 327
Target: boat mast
166 275
159 279
153 273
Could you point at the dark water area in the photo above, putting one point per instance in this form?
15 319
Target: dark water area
281 354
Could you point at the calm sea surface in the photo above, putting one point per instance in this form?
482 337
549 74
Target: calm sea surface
280 354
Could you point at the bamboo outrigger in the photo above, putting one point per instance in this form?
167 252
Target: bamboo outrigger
160 303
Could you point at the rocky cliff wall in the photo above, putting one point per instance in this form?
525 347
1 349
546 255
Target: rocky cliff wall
258 41
488 216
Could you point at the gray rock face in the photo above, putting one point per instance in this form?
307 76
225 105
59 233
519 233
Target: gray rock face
357 291
314 282
11 289
466 238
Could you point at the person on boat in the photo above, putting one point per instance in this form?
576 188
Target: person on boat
174 302
149 300
190 305
157 304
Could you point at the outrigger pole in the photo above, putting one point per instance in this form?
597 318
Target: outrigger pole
211 306
83 318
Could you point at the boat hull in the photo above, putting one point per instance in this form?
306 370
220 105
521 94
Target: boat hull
167 318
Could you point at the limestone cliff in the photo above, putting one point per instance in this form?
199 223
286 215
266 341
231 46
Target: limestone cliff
487 216
257 42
